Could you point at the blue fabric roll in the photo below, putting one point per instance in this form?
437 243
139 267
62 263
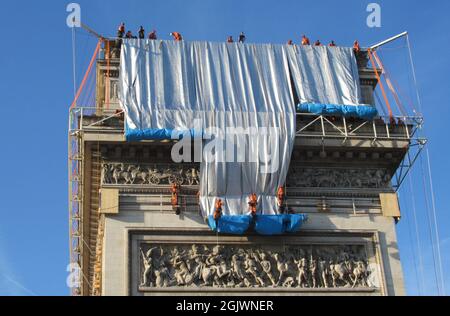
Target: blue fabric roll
366 112
270 225
159 134
295 223
267 225
234 225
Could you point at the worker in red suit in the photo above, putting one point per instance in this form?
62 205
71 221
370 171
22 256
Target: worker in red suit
289 42
174 189
317 43
280 200
176 36
152 35
332 44
253 203
230 39
305 40
218 209
356 47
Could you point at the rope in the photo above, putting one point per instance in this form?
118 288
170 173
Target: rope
380 83
389 84
421 280
436 227
97 49
414 74
438 265
398 90
430 225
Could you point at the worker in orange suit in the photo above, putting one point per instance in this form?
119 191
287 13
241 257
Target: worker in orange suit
174 191
356 47
176 36
218 209
280 195
253 203
305 40
332 44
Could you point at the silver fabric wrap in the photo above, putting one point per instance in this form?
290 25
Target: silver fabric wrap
169 85
325 75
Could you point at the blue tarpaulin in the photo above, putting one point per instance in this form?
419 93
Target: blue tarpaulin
235 225
268 225
159 134
366 112
278 224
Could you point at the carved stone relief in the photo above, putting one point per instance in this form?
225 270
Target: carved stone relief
338 178
226 266
151 174
154 174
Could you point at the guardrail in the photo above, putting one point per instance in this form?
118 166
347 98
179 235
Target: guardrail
401 128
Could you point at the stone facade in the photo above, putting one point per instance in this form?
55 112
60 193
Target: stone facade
347 247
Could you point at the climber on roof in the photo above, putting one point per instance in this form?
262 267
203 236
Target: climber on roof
305 40
141 32
356 47
152 35
121 30
176 36
242 38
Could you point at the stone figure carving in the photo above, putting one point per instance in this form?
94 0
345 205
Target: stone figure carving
162 276
267 268
302 277
323 273
192 177
338 178
148 266
127 174
237 267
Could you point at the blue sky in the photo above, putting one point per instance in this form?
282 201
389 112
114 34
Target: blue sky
36 89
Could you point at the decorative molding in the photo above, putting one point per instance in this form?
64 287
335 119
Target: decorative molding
163 266
299 177
150 174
